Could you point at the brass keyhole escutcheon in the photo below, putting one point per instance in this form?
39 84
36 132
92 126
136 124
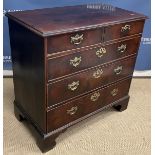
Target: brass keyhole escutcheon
98 73
101 52
95 96
114 92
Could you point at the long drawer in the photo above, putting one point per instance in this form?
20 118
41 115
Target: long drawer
80 60
73 110
89 80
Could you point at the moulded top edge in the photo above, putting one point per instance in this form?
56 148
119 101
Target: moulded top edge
52 21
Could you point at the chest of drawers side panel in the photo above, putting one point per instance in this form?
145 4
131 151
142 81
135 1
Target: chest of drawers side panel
27 50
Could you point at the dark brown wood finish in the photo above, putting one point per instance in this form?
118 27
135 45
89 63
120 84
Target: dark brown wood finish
44 141
83 59
58 91
123 29
64 42
47 141
121 106
51 21
94 36
85 105
28 72
54 89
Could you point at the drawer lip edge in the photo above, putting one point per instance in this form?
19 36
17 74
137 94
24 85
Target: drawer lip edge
86 116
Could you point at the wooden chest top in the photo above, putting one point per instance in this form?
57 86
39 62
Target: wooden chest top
51 21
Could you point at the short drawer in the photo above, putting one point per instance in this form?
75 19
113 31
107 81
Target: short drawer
89 80
73 110
80 60
123 30
74 40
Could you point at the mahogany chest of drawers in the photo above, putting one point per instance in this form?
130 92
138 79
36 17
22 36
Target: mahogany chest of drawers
70 63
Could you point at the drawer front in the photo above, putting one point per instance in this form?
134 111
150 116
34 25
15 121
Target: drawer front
73 40
73 86
85 105
123 30
61 66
